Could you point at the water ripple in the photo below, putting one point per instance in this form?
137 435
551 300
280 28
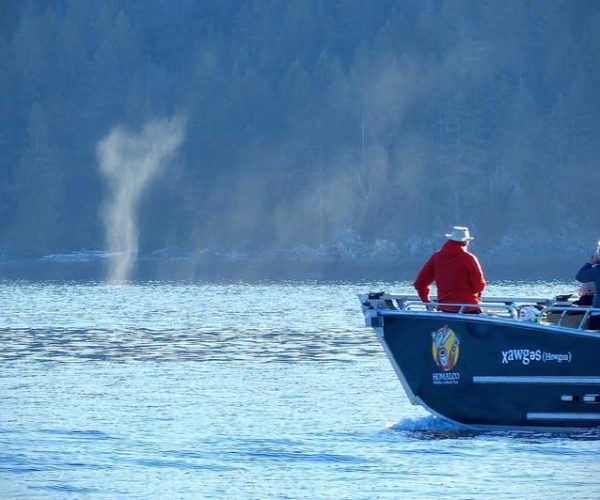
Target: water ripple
251 391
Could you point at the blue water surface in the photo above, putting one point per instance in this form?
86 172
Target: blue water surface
241 390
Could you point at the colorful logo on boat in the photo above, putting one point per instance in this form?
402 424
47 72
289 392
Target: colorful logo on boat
445 348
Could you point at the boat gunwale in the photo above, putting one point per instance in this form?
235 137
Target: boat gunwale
483 318
508 306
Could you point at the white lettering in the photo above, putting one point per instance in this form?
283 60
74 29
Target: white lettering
559 358
445 378
526 356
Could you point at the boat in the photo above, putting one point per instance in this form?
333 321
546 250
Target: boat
520 363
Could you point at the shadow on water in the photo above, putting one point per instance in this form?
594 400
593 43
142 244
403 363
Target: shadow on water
433 428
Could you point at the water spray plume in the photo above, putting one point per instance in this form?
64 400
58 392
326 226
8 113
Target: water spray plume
129 161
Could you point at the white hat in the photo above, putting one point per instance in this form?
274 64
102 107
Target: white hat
460 234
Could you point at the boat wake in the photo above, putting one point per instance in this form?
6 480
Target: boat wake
432 427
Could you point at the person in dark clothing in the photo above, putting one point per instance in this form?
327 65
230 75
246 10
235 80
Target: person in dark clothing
590 272
456 273
586 294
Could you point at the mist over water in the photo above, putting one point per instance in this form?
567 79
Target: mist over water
129 161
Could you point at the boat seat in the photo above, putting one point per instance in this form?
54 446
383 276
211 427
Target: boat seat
569 319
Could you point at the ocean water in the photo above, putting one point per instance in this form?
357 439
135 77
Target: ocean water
241 390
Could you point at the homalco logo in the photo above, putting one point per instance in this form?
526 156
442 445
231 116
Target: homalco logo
445 348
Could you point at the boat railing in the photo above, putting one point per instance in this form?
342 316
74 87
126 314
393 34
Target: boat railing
529 309
567 315
493 306
489 308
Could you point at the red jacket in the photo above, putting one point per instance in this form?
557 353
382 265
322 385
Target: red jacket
457 275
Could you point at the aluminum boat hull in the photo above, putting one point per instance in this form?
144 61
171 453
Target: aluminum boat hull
477 370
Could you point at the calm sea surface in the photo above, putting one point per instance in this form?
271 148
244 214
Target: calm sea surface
241 390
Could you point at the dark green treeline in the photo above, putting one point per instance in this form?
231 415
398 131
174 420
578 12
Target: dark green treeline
306 121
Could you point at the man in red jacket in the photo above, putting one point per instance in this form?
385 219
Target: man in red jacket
456 272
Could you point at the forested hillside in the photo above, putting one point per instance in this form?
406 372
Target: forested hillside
347 128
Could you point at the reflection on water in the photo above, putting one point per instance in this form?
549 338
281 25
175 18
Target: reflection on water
182 321
66 345
266 321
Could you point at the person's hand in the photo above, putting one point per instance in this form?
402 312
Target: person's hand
595 259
